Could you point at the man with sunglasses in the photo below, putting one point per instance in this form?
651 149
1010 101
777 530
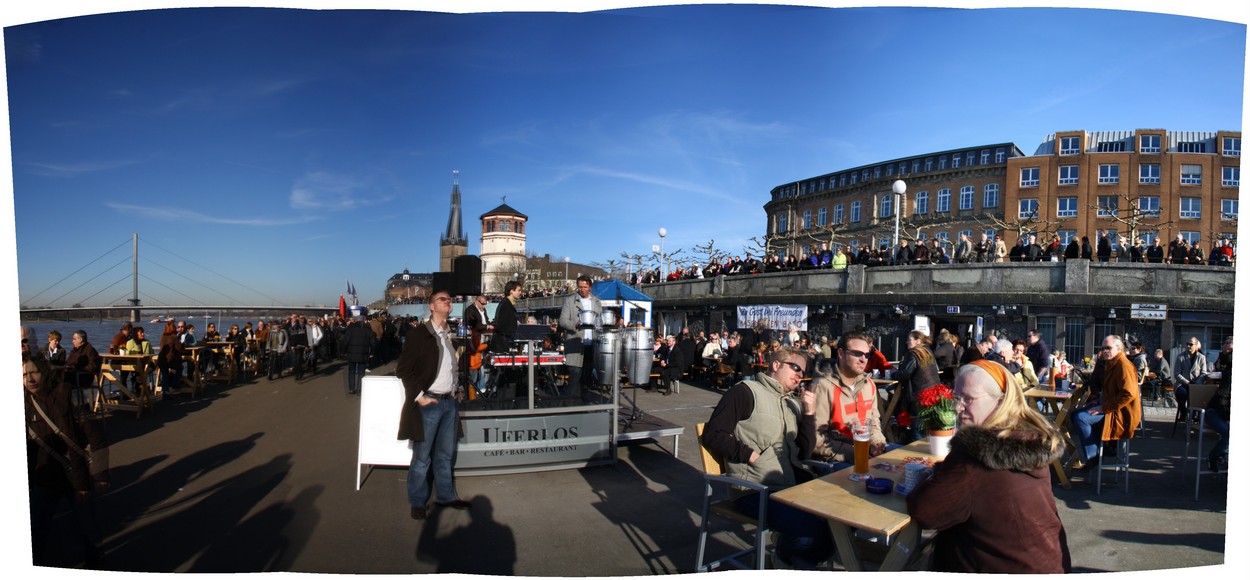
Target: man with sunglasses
1115 406
1190 367
845 397
763 433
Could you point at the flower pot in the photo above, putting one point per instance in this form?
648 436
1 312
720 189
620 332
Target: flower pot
940 442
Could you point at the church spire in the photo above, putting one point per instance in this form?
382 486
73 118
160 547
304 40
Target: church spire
454 236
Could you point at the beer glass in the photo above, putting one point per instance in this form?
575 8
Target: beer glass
862 435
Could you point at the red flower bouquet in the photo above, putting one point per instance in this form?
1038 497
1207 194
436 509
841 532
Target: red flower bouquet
937 407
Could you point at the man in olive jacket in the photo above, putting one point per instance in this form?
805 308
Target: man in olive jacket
429 418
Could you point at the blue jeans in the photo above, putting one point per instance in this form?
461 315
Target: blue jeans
438 448
1085 422
1219 425
355 373
802 534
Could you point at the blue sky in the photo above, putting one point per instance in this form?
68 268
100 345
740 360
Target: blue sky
267 156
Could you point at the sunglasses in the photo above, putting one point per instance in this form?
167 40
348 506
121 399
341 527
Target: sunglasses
1108 347
796 368
855 353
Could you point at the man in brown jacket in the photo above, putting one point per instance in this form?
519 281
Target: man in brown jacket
1117 407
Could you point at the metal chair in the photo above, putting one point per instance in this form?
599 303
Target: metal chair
1196 421
713 474
1123 454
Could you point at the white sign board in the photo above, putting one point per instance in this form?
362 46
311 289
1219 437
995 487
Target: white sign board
922 324
778 316
1148 314
1158 307
381 399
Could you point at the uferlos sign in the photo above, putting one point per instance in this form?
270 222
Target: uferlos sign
776 316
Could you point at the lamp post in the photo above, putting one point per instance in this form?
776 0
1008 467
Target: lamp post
900 187
664 275
566 271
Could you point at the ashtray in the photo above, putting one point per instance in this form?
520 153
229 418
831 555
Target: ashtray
880 485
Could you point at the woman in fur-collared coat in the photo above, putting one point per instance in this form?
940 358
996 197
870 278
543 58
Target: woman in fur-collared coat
991 499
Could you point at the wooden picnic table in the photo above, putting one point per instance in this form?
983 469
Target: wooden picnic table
1064 407
125 398
225 361
848 506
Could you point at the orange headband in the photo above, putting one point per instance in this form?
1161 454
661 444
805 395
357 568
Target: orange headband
999 372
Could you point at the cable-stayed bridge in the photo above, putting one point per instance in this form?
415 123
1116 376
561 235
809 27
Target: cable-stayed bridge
91 290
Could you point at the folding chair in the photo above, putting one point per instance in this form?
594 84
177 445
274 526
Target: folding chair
713 473
1196 421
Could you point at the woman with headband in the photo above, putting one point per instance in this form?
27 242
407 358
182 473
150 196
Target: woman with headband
991 500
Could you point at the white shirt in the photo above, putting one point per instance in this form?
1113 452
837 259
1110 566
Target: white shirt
445 380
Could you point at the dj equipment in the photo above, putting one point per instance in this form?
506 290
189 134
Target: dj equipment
521 360
467 272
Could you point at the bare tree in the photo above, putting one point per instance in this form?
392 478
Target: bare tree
826 234
1129 213
512 269
610 265
757 246
1023 225
711 252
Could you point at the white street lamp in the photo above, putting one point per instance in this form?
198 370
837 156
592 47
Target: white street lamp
664 275
566 270
900 188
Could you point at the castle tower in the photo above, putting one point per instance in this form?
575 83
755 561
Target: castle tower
503 248
453 243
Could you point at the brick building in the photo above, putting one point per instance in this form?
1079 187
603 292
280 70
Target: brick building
1148 182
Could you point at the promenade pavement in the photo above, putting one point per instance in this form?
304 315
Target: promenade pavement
260 476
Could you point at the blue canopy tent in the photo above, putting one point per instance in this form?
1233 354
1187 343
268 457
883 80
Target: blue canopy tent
631 304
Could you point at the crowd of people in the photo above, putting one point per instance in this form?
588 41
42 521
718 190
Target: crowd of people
1107 246
990 500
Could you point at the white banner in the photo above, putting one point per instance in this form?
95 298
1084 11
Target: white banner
778 317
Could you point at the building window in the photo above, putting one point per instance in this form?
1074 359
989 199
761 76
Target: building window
970 158
1192 147
1191 237
781 223
922 202
944 200
955 161
1148 206
1147 237
965 196
876 172
1074 339
842 180
1148 173
928 164
490 225
944 238
855 211
1228 210
1150 143
1108 205
854 178
1232 146
1067 207
1111 146
1069 174
520 227
1069 145
991 195
1109 173
807 219
838 214
991 233
505 225
1030 176
889 170
985 157
915 166
1191 175
967 233
1028 209
887 206
1191 207
864 175
1232 177
902 168
1000 155
942 162
1066 236
822 216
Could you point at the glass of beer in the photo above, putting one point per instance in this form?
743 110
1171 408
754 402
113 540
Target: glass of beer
862 435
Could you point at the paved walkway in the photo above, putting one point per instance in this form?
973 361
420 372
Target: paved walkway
260 477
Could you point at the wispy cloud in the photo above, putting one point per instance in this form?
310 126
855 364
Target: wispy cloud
175 214
656 180
75 169
325 191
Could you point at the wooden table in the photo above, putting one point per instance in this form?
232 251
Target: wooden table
226 361
137 399
1063 407
195 381
848 506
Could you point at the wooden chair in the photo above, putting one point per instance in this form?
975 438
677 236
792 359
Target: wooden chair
713 475
1196 422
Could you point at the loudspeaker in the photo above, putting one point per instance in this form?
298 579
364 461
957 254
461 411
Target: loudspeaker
468 275
444 281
